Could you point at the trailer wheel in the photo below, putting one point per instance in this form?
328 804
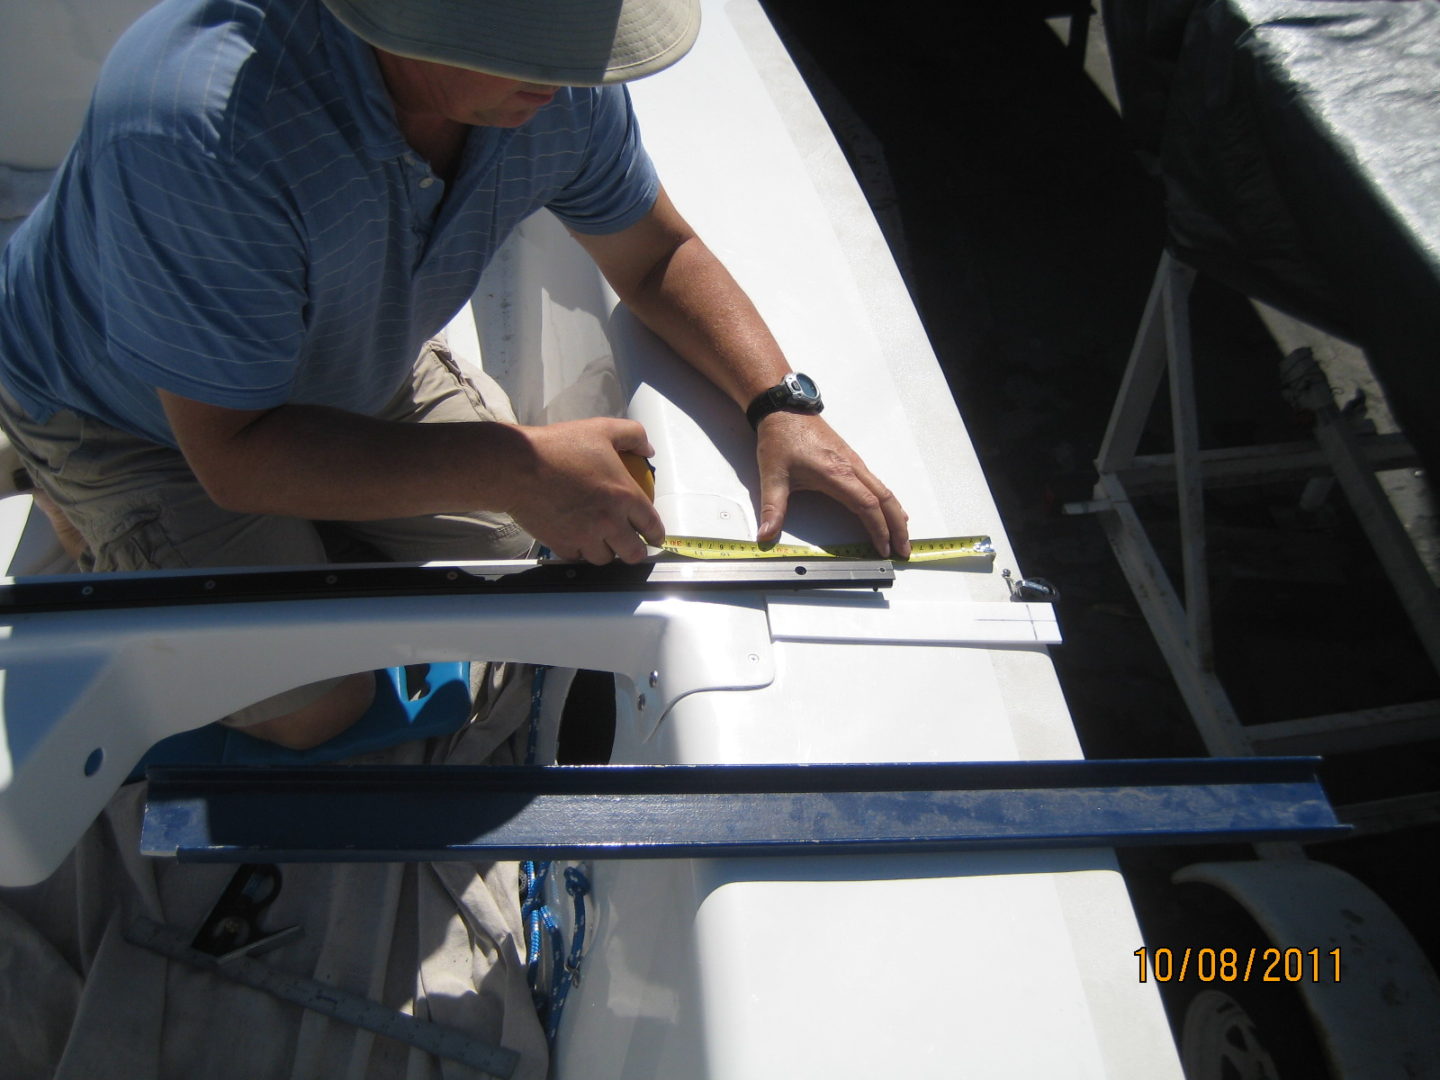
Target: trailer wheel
1219 1041
1242 1028
1239 1030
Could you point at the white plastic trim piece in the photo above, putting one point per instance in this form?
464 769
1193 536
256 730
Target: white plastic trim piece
86 693
884 620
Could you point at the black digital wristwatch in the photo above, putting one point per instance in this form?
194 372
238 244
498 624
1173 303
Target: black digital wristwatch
795 393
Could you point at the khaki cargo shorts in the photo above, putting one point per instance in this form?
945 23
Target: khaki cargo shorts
139 507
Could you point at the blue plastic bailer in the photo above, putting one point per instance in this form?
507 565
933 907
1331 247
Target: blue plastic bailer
418 702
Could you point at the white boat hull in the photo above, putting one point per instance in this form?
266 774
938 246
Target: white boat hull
933 966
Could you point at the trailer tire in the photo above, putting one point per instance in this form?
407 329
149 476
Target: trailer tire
1239 1030
1219 1041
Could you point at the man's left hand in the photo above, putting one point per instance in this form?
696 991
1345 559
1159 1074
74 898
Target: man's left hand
800 452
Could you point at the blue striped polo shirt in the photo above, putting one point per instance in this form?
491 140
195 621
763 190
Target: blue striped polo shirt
241 222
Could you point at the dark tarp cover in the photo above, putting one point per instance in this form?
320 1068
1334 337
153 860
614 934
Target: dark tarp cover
1299 142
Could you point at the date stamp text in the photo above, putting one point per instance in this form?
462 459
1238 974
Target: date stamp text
1248 964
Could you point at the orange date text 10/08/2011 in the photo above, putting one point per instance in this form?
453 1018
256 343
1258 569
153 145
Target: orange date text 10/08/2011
1249 964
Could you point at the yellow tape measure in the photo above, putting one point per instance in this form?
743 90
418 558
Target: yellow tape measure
936 550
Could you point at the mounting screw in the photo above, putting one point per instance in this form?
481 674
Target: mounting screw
654 678
640 703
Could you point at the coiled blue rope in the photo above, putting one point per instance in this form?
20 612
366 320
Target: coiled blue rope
542 930
562 978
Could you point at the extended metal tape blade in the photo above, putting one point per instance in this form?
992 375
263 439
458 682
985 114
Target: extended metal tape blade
933 550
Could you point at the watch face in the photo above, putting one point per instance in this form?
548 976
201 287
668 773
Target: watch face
795 393
803 386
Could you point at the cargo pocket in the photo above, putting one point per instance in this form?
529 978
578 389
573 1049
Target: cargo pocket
136 540
43 450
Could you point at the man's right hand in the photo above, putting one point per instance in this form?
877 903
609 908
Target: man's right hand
576 497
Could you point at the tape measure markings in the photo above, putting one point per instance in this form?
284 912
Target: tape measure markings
932 550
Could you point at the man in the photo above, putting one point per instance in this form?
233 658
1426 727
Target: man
209 331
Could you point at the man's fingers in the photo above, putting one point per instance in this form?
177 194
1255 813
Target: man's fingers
899 523
605 542
868 507
892 516
629 547
587 497
629 435
856 488
646 521
607 538
774 501
596 550
803 453
846 480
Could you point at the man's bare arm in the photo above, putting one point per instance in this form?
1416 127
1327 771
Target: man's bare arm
564 483
676 286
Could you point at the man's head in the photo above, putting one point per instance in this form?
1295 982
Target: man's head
550 42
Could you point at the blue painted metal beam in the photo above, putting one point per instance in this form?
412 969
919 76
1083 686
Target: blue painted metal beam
436 813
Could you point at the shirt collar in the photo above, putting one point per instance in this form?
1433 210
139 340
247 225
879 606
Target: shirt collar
358 74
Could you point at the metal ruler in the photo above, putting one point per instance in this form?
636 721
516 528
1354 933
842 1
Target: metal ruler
92 592
320 997
934 550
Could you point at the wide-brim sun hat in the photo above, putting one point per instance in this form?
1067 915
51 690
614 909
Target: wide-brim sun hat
557 42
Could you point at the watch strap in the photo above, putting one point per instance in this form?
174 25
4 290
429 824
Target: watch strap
780 398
